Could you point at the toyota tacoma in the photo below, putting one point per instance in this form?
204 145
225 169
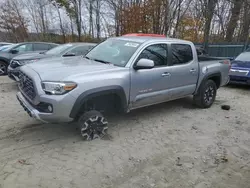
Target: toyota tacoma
118 75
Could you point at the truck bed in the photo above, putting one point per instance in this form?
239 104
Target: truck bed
209 58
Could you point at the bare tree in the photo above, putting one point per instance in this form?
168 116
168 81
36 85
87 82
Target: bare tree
244 35
235 13
91 25
74 11
77 9
56 5
98 19
208 13
13 21
221 12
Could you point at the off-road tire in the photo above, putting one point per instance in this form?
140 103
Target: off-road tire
206 94
92 125
3 68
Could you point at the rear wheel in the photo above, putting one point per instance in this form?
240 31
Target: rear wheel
206 94
3 68
92 125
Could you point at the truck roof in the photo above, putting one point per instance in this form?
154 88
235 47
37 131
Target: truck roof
142 39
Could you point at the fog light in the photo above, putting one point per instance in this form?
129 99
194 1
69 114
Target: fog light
50 108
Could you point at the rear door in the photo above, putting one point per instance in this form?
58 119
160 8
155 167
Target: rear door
184 70
150 86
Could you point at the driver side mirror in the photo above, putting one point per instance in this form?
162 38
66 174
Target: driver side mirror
144 64
14 51
69 54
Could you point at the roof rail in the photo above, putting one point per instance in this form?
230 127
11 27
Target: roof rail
144 35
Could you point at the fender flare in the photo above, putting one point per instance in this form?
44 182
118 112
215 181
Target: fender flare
207 77
118 90
5 60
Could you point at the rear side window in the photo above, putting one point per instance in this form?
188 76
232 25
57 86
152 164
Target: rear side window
181 54
41 47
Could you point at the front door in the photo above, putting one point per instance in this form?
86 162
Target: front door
150 86
21 49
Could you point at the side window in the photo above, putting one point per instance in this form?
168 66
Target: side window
181 54
52 46
80 50
157 52
41 47
24 47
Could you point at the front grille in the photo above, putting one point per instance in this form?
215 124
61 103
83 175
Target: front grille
14 64
26 85
235 72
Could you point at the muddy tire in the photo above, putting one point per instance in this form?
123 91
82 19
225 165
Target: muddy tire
92 125
3 68
206 94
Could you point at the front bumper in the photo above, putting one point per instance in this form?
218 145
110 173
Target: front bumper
28 108
60 110
239 80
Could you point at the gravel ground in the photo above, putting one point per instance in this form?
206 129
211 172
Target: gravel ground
170 145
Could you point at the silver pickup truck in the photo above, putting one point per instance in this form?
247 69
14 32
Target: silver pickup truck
119 75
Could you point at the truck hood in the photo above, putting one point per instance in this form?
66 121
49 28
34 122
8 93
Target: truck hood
31 56
59 69
241 64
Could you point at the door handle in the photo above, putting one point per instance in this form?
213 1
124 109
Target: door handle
165 74
193 70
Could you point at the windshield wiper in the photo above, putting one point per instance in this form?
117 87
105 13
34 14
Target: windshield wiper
98 60
102 61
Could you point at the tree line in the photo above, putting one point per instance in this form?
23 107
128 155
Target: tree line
62 21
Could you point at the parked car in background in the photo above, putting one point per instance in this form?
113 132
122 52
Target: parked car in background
4 43
119 75
16 49
240 69
64 50
4 47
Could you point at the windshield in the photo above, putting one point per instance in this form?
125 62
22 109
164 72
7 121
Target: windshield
59 49
114 51
7 48
243 57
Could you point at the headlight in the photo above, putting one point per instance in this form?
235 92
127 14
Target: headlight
24 62
58 88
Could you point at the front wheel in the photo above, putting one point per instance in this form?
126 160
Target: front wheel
92 125
3 68
206 94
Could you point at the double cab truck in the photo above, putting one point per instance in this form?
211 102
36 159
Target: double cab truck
118 75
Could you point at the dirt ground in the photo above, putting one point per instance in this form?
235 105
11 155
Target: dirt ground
172 145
